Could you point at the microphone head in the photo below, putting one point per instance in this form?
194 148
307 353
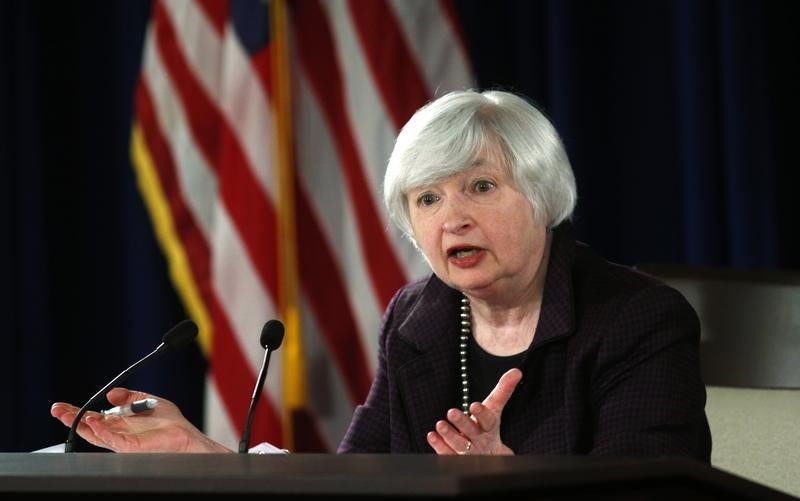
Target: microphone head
272 335
180 335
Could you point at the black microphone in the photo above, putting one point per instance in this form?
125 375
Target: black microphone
271 338
178 336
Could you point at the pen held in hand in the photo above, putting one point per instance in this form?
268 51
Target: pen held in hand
134 408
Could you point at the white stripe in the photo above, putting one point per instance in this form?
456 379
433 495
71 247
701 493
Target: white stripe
429 34
240 293
320 174
224 71
197 182
244 299
329 400
369 119
216 423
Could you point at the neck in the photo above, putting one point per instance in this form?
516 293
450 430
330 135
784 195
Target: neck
507 326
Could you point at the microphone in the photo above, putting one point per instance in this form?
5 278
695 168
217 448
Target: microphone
176 337
271 338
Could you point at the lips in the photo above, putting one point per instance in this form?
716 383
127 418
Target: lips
461 251
464 256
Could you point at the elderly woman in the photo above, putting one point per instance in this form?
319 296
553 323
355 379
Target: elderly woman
522 340
591 357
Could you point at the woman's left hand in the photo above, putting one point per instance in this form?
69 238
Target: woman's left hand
478 433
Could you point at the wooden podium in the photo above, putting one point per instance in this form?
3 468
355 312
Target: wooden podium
371 476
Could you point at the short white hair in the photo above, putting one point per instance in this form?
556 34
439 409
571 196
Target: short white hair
445 137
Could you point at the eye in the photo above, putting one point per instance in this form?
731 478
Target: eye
427 199
482 186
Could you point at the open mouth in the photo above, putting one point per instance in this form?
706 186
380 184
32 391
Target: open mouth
462 252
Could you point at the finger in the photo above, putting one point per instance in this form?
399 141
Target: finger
452 437
463 424
101 435
439 445
119 396
501 393
124 396
64 412
485 418
83 429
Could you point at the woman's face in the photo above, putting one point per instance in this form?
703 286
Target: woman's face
478 231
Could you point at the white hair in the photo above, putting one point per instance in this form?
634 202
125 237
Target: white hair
445 137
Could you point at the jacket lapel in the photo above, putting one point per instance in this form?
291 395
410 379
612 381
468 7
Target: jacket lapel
428 380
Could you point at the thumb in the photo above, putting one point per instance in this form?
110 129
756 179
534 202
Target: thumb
122 396
501 393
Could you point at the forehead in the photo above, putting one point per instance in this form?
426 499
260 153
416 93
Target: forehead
488 162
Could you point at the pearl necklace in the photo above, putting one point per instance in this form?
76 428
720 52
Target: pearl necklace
466 331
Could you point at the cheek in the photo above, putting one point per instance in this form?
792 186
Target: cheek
512 231
423 233
426 238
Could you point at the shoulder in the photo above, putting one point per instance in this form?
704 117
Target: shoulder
418 300
597 281
420 312
627 310
407 297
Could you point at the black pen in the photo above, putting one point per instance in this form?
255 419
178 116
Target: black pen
134 408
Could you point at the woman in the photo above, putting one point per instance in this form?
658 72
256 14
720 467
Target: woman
522 340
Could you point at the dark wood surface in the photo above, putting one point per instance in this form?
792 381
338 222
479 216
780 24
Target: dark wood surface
367 475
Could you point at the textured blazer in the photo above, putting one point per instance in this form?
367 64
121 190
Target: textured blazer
613 367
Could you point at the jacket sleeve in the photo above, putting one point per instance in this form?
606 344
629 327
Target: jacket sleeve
647 391
369 429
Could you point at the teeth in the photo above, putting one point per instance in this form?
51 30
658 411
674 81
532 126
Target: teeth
464 253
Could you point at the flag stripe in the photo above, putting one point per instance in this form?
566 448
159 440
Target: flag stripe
229 366
232 368
319 63
221 150
333 212
229 370
386 50
435 45
329 303
215 11
192 238
374 133
205 120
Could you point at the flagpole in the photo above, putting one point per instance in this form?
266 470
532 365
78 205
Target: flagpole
295 392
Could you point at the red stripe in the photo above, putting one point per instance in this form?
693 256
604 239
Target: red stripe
230 366
192 238
319 62
230 370
251 213
216 12
326 291
393 65
262 65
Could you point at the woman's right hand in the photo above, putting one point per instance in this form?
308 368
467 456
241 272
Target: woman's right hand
162 429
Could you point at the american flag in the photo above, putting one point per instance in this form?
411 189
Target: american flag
261 134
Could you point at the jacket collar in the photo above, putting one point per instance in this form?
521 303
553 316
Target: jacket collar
556 320
431 330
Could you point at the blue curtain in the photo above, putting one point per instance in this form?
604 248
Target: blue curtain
84 285
678 116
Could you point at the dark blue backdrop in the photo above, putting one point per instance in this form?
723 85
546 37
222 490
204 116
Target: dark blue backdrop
678 117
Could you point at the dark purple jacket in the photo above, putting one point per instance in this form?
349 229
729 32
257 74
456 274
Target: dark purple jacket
613 368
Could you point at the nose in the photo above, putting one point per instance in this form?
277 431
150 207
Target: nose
456 216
